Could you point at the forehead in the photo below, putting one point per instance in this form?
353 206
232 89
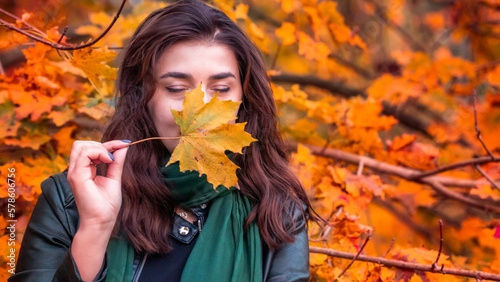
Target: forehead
197 57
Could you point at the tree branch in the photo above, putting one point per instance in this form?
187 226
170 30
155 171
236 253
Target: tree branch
476 127
405 264
354 258
57 45
332 86
338 88
406 173
475 161
483 205
485 175
436 183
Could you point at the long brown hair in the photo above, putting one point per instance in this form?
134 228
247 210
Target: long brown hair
265 178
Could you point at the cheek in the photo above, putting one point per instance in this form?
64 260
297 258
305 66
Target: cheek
162 116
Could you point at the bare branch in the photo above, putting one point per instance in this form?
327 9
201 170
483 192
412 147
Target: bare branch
332 86
405 264
475 161
338 88
485 175
360 168
437 183
57 45
406 173
355 257
478 132
435 264
483 205
390 247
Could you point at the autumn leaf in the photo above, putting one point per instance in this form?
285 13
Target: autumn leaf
205 136
92 62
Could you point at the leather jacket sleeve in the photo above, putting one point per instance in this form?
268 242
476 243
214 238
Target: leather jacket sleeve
45 253
290 263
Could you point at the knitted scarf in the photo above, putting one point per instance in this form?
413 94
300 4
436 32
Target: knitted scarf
223 250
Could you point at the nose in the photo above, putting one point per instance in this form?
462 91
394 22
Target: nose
206 96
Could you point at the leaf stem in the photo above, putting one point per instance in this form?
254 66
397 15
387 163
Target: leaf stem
152 138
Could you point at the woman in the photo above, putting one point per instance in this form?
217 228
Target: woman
138 220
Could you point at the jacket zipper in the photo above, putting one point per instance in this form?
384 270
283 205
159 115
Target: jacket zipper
139 269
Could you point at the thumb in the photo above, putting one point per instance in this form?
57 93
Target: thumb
115 168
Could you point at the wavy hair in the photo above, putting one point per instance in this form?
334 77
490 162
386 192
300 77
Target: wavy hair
265 178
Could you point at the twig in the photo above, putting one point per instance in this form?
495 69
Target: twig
20 20
406 173
485 175
475 161
478 132
437 183
59 46
355 257
62 36
403 218
405 264
438 187
435 264
360 168
278 49
390 247
150 138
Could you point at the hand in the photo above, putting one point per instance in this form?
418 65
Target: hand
98 198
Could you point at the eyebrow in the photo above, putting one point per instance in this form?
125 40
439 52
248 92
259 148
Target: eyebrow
182 75
221 76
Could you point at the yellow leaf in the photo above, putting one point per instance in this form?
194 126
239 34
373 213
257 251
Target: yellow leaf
241 11
97 112
312 49
287 6
493 77
61 117
287 33
206 135
64 140
341 32
92 63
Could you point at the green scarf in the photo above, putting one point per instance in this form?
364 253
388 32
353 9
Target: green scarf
223 251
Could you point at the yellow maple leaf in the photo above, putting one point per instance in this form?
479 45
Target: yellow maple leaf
92 63
206 134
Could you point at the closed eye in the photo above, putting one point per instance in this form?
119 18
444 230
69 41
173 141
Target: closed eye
175 90
222 89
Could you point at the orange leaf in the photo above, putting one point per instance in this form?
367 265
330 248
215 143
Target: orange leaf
287 33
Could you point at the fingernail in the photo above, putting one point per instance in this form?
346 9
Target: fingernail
111 156
126 141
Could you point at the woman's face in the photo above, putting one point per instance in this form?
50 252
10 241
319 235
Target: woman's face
183 67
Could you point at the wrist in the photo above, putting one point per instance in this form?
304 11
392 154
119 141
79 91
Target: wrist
97 226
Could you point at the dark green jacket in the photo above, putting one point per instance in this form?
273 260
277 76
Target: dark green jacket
45 253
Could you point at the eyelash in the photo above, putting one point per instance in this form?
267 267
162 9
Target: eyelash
175 90
178 90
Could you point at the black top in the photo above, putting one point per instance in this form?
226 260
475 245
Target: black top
169 267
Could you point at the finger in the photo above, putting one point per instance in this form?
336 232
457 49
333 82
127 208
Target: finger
115 168
76 150
83 162
116 145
